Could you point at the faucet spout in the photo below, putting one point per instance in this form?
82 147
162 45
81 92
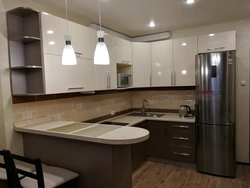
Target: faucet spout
143 110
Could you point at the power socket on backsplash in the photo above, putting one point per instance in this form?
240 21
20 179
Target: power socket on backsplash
112 112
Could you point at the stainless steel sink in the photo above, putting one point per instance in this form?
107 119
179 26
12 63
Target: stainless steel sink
146 114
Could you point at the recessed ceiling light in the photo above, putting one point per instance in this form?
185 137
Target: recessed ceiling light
45 13
50 32
211 34
184 44
190 1
51 43
151 24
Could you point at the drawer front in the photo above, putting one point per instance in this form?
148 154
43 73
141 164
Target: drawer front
181 138
185 154
181 126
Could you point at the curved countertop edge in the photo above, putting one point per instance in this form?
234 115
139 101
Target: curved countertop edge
102 139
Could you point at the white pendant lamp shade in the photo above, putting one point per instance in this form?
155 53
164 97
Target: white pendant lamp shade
101 56
68 56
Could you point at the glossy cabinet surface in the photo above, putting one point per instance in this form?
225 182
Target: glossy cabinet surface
123 50
184 50
141 64
162 63
224 41
105 75
76 78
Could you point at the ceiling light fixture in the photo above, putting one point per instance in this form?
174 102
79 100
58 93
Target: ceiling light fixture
68 56
190 1
211 34
151 24
101 56
184 44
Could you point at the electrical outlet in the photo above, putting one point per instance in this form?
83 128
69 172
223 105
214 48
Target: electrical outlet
112 112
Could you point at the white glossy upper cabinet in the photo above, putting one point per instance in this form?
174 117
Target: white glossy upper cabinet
217 42
83 40
105 75
184 50
141 64
123 50
53 31
162 63
72 78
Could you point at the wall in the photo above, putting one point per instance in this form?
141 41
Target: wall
242 73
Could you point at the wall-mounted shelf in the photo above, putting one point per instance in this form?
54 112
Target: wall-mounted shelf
25 51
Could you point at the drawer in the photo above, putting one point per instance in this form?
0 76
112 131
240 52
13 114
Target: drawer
181 138
178 153
181 126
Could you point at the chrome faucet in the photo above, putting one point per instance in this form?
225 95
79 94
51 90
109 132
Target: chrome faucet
143 110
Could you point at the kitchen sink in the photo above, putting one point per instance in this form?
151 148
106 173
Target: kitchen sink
146 114
114 123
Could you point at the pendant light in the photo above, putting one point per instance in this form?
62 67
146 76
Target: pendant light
68 56
101 56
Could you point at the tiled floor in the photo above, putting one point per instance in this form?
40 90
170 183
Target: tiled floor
155 175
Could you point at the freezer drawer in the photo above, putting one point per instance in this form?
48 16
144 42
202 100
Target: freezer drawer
216 150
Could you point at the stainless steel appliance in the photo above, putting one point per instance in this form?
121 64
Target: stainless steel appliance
184 110
215 113
123 80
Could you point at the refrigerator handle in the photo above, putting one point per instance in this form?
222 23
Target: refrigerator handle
196 122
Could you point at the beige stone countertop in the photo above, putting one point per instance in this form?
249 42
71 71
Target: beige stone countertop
133 120
90 132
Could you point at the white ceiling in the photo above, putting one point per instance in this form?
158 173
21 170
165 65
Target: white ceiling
131 17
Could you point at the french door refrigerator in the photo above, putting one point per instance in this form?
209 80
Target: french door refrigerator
215 113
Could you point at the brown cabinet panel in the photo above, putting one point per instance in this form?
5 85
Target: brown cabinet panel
181 126
180 153
157 143
182 138
139 151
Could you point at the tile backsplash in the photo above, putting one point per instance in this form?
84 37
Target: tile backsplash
93 106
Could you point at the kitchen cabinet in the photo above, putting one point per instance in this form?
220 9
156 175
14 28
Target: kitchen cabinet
106 75
185 50
139 150
157 143
77 78
215 42
141 64
162 63
181 142
26 66
54 30
123 50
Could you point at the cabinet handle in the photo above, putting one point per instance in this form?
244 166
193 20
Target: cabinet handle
78 53
181 126
182 154
150 79
217 48
172 78
181 138
72 88
109 79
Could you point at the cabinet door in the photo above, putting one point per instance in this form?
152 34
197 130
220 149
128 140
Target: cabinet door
123 50
218 42
76 78
141 64
185 50
139 151
106 77
162 63
83 40
157 143
53 31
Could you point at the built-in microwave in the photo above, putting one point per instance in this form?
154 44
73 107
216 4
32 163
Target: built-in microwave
123 80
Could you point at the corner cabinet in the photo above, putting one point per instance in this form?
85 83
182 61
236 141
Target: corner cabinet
25 51
123 50
141 61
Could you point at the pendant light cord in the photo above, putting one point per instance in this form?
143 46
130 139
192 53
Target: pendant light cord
100 20
66 5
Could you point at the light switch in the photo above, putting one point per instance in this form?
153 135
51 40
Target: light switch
243 82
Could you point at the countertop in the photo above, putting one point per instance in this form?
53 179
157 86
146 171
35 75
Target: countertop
99 133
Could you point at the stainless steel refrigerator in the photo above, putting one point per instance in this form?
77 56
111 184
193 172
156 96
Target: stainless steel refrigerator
215 113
